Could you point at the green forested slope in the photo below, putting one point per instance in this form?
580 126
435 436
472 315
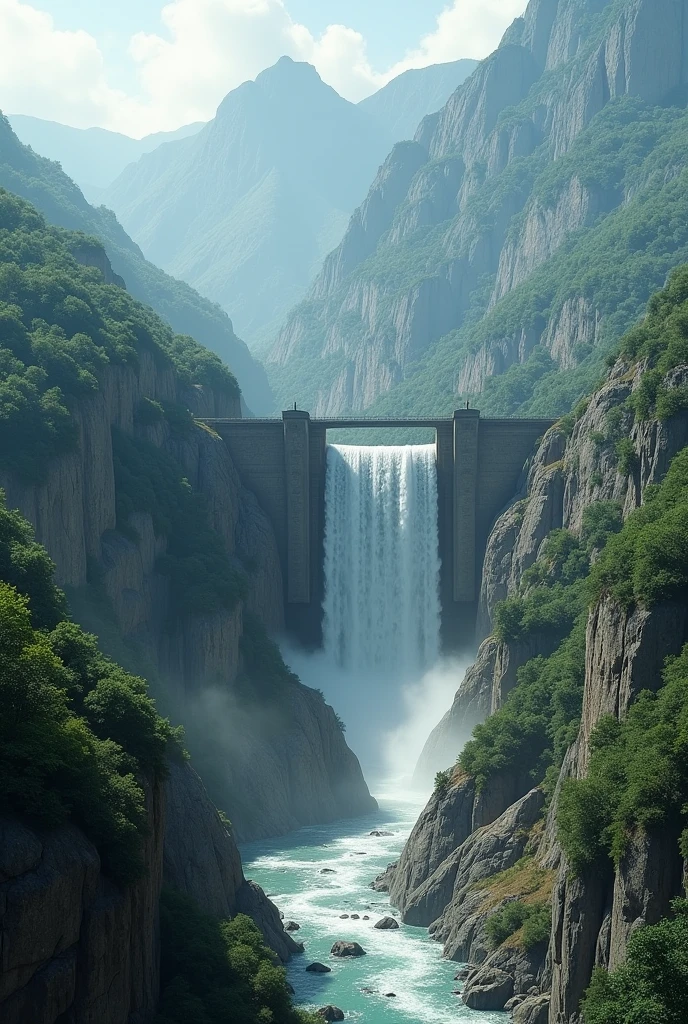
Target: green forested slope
636 782
61 326
76 731
44 184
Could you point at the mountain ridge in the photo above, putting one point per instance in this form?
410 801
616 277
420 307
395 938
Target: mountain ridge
247 209
519 178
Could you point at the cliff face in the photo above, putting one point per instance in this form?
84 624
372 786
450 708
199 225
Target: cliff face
465 829
495 210
74 945
201 859
196 658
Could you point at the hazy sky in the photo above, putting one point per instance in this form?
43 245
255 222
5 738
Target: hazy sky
138 66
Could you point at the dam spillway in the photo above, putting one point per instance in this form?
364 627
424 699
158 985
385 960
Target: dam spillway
381 607
283 461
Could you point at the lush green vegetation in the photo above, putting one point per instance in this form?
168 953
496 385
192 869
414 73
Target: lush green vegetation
76 730
442 781
47 187
530 733
202 575
637 777
219 972
651 987
648 560
61 325
531 922
661 339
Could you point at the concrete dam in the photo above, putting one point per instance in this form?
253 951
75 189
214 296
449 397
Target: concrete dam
478 465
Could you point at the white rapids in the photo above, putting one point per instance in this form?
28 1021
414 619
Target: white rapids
381 606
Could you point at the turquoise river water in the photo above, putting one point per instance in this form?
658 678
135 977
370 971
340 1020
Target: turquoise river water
404 961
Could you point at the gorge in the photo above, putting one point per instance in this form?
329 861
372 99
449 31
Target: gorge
412 652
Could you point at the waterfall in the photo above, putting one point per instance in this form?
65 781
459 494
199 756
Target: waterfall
381 606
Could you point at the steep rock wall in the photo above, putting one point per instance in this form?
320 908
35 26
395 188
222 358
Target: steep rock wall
593 915
74 945
463 226
74 515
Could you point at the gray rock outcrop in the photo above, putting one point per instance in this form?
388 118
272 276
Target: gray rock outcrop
488 989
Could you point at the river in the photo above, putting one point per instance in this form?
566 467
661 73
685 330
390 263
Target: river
404 961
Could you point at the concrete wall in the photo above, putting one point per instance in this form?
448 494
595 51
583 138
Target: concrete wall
479 465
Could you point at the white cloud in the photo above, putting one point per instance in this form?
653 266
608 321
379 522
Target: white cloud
467 28
48 72
206 48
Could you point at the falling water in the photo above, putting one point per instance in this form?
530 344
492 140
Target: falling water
381 608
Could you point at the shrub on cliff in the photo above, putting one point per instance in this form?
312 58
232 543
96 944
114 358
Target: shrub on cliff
648 560
637 778
527 924
76 731
219 972
652 985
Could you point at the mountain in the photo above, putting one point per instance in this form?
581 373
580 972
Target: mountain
92 157
246 210
46 185
503 252
403 103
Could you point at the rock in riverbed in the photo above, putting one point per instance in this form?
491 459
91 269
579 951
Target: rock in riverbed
331 1013
318 968
386 923
291 926
343 949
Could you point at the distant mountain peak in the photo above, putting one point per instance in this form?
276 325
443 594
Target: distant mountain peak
288 69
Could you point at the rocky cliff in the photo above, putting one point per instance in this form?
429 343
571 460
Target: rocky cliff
74 944
487 245
484 844
288 764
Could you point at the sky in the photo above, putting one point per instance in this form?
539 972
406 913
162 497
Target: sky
139 66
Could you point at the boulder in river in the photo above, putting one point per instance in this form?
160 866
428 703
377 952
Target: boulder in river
317 968
366 918
342 949
355 917
380 832
343 917
386 923
390 995
291 926
331 1013
328 871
